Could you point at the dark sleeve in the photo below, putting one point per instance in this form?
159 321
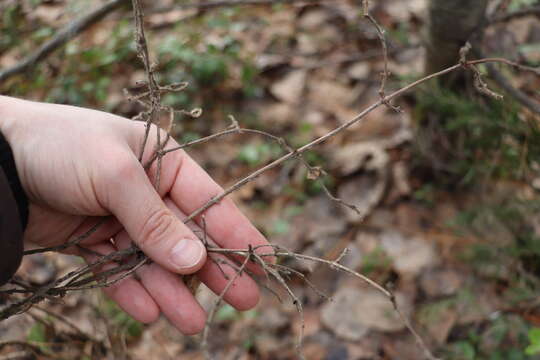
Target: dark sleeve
13 214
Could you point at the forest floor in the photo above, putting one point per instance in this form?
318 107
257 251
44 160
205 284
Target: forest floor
450 186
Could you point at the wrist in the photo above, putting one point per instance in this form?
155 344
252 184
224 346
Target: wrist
12 117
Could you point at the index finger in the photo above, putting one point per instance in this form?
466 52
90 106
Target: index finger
192 188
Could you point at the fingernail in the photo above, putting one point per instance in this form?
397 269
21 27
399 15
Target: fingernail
187 253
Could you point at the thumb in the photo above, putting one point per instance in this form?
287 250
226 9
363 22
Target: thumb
152 226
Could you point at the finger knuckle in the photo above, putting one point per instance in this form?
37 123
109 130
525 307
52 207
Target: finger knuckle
156 227
122 168
125 168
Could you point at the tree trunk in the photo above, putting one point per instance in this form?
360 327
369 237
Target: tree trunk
450 24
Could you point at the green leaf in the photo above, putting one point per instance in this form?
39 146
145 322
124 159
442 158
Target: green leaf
249 154
226 313
534 339
209 70
120 319
517 4
280 227
465 350
37 333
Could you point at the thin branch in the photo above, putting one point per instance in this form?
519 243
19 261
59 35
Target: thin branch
287 254
205 5
517 94
347 59
210 318
528 11
76 241
67 322
419 341
62 36
54 288
34 349
334 264
504 84
513 64
153 88
382 39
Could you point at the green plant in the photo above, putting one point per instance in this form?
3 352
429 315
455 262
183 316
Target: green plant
462 350
10 26
376 260
37 333
471 141
280 227
513 217
501 338
121 320
228 314
258 153
516 4
534 342
426 194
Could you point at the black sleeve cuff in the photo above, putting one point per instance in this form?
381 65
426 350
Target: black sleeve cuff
13 214
7 163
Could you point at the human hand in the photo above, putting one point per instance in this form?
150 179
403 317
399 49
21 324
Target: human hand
78 165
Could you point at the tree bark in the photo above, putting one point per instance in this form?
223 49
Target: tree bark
450 24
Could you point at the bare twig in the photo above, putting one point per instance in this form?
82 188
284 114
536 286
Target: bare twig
299 62
65 321
154 94
34 349
527 11
501 80
76 241
516 94
334 264
382 39
206 5
419 341
210 318
55 288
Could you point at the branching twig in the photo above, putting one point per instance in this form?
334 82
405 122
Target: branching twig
504 84
516 94
344 126
154 93
274 270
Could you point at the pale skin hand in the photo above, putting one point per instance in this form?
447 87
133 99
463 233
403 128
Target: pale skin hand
77 165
